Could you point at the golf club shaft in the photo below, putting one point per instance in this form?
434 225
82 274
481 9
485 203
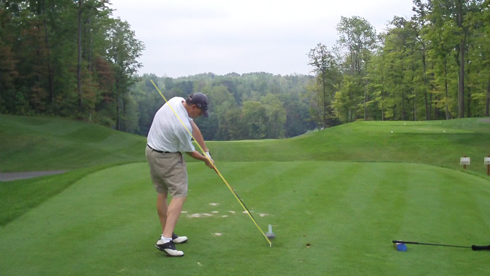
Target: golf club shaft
236 195
215 168
434 244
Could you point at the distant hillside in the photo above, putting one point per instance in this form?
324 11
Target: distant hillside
39 143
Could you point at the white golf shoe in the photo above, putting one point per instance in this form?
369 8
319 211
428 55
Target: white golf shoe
179 239
169 248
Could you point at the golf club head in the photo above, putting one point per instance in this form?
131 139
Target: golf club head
400 247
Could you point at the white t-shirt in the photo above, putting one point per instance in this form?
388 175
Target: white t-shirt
167 132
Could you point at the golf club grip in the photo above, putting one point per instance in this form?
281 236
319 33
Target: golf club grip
480 247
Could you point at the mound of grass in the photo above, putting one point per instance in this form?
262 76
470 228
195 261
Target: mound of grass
37 143
330 218
439 143
40 143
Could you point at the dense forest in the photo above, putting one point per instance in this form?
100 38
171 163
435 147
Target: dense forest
66 58
247 106
73 59
435 65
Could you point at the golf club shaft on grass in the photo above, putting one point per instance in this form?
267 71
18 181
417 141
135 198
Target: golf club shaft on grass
242 203
216 169
473 247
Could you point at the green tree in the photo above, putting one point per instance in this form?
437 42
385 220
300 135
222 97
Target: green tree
328 75
442 35
8 63
419 20
255 116
276 116
123 53
358 37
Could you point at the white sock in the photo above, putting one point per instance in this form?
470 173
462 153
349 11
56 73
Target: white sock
165 240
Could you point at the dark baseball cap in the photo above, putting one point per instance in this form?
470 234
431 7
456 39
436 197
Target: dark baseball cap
201 101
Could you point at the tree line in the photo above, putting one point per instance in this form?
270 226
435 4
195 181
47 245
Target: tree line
72 59
66 58
248 106
434 65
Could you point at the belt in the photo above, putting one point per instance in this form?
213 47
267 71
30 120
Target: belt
159 151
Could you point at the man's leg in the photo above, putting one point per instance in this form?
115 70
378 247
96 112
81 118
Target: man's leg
168 219
173 213
162 209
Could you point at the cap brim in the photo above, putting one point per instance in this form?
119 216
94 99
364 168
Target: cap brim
205 113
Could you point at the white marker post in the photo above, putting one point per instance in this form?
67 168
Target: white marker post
486 161
464 161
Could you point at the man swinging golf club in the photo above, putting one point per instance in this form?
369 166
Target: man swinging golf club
167 139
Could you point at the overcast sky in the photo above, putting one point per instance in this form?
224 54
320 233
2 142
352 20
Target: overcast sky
188 37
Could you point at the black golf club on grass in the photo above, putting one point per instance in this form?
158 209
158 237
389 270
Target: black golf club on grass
473 247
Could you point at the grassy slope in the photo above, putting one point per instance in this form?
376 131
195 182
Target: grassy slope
34 143
38 143
418 142
348 212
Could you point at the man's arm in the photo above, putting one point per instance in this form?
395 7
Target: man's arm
198 136
196 155
199 139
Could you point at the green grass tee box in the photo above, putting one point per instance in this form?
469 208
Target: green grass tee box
348 213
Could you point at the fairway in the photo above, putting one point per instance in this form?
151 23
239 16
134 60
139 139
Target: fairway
348 213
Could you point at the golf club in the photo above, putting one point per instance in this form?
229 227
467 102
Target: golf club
216 169
473 247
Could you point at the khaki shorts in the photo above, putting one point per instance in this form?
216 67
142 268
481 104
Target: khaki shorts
168 172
